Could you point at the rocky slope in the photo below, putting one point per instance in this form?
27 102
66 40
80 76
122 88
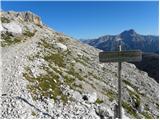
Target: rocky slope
150 64
46 74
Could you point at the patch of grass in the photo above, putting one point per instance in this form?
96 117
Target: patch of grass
48 85
45 44
137 97
68 80
61 39
17 40
130 84
75 85
9 39
28 33
5 20
57 58
81 61
147 115
111 94
52 57
129 109
77 75
94 76
98 101
33 113
127 82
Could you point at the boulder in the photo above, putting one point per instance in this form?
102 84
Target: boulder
1 28
12 27
61 47
140 108
104 112
77 96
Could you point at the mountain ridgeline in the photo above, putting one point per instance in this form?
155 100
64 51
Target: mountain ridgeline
130 40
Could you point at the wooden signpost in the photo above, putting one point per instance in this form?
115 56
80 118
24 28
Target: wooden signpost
120 56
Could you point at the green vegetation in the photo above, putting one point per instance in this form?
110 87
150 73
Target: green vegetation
45 44
46 85
129 84
77 75
134 93
75 85
98 101
57 58
17 40
9 39
81 61
28 33
62 39
5 20
111 94
94 76
147 115
137 97
33 113
68 80
52 57
129 109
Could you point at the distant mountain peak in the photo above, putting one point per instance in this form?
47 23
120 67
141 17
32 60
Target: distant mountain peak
130 32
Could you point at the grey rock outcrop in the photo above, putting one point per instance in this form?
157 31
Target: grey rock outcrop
61 47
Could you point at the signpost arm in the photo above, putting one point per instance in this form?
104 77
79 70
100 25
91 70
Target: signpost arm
119 88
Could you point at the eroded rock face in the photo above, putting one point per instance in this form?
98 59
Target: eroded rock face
37 21
47 77
22 16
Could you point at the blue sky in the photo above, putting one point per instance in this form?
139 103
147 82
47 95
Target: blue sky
93 19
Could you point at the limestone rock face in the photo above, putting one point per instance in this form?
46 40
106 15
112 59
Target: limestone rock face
46 74
12 27
23 16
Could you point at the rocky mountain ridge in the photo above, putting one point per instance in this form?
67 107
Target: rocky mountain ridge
130 40
46 74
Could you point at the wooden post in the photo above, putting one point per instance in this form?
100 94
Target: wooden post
119 89
120 56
